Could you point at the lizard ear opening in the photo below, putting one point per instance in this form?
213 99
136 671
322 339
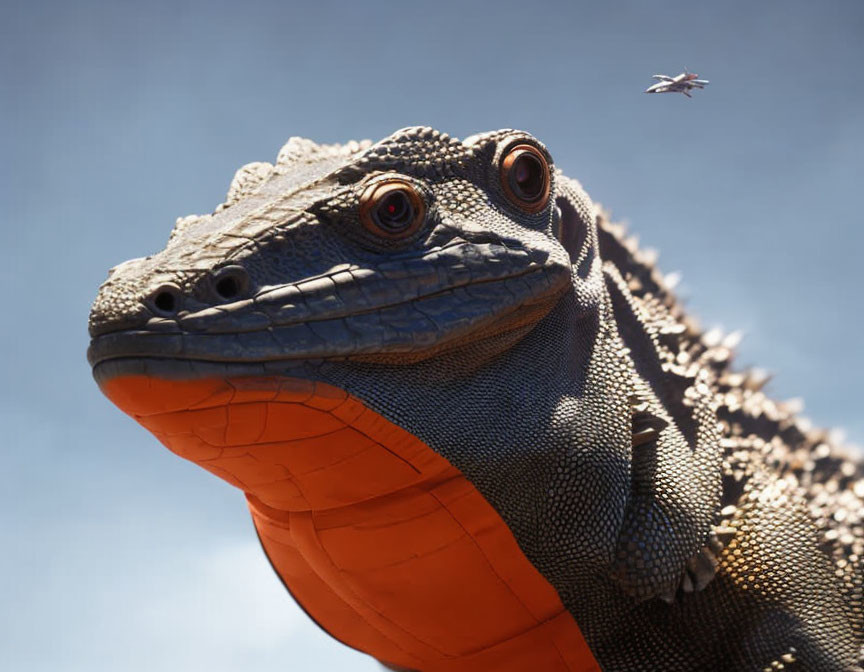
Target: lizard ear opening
571 230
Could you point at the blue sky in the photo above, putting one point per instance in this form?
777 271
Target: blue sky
118 117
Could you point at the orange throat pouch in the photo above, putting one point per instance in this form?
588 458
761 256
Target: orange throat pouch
383 542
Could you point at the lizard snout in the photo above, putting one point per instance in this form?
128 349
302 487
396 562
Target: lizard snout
122 305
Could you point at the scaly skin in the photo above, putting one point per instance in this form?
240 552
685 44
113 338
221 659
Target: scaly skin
542 355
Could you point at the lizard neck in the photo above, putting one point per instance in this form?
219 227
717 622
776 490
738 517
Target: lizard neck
529 416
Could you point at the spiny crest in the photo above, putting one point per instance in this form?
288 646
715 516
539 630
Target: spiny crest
759 430
645 281
252 176
181 225
680 332
246 180
302 150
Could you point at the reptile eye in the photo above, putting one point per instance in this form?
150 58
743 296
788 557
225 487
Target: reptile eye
392 209
525 178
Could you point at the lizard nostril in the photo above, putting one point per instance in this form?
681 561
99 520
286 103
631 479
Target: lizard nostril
230 282
166 300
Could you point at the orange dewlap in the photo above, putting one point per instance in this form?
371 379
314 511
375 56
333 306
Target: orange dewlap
380 539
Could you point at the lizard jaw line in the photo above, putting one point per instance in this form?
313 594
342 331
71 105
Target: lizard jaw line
182 365
414 329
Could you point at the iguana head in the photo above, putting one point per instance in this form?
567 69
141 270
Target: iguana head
393 252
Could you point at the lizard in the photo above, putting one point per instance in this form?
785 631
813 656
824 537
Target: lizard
464 311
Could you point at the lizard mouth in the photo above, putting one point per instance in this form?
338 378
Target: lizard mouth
291 324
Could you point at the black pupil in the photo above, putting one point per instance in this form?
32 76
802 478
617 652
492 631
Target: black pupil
526 177
395 212
165 301
228 287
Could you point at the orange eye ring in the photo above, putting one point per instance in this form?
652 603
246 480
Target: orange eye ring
392 209
525 178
